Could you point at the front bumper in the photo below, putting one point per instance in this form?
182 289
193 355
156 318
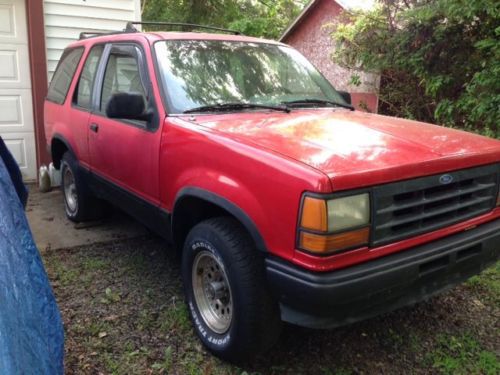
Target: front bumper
332 299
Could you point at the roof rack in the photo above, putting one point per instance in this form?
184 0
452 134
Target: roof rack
131 29
93 34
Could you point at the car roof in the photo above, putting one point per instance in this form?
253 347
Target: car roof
163 35
153 37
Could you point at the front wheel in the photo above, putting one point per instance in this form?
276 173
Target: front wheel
233 314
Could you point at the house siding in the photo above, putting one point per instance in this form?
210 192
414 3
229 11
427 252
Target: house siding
66 19
311 36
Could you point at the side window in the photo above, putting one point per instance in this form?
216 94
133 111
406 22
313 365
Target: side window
122 73
83 93
63 75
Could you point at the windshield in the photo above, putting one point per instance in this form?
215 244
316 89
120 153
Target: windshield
197 73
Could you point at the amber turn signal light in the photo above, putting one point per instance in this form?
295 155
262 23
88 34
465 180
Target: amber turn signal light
314 214
327 244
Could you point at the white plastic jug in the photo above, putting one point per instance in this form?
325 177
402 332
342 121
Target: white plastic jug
44 179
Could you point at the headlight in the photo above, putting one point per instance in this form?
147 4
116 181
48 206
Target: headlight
334 225
348 212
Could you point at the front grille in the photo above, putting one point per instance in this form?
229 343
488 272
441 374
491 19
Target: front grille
412 207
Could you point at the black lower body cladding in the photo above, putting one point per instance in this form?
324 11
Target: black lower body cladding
336 298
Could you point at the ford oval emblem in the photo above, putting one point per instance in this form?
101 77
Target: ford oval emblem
446 179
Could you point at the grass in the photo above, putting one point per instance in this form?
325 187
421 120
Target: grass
488 283
166 363
175 319
94 264
462 355
123 311
63 275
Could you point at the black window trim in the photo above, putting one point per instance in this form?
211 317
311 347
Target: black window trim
66 51
145 80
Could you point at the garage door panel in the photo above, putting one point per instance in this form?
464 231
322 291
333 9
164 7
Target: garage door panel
16 110
17 147
9 70
16 106
7 22
14 66
22 146
12 22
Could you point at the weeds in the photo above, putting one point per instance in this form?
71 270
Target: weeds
463 355
124 313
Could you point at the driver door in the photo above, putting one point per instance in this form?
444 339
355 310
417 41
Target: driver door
124 153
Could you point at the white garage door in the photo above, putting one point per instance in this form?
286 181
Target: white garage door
16 112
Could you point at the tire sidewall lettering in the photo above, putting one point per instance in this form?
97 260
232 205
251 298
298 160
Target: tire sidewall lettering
211 338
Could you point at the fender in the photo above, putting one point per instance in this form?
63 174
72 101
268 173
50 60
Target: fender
227 205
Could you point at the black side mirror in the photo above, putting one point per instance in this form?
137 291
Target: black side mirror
346 96
127 106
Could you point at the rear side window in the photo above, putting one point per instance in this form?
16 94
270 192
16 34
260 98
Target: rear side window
83 93
63 75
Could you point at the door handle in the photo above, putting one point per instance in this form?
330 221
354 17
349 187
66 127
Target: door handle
94 128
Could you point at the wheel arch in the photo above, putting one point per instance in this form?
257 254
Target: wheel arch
207 204
58 146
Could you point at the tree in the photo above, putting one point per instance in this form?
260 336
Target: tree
439 60
263 18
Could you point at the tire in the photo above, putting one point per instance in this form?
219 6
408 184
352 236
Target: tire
224 280
79 202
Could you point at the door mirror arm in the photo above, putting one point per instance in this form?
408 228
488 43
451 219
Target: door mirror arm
145 116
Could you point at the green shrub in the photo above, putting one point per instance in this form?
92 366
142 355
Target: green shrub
439 60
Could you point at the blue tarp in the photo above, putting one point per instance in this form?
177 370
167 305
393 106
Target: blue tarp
31 332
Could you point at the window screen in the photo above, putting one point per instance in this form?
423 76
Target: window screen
86 82
63 75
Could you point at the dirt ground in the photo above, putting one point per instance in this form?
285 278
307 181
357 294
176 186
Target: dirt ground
121 300
123 312
52 230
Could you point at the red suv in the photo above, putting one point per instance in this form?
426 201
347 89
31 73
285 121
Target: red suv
287 204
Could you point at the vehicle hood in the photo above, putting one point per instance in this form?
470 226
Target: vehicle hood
355 148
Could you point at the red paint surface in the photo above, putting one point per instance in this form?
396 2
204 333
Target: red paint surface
264 161
357 149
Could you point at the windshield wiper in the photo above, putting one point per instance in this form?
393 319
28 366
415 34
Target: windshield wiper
299 102
231 106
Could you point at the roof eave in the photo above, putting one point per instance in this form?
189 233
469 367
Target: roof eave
299 18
